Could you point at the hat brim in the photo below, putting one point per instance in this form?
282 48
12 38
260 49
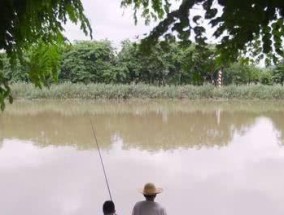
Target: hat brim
157 191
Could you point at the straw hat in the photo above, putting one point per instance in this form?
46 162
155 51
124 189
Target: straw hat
150 189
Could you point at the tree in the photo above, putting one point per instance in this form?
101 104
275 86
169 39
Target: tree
23 23
15 74
30 22
151 68
240 73
168 63
278 73
199 65
243 26
88 61
129 63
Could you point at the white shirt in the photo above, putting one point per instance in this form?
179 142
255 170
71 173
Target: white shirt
148 208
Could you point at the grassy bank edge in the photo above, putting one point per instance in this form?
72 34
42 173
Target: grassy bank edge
143 91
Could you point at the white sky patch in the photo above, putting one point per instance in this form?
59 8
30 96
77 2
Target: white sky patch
108 21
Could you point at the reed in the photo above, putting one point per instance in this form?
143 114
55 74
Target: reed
143 91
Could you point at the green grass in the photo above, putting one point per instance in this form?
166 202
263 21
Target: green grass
142 91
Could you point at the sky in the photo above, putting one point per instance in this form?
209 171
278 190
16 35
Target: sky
108 21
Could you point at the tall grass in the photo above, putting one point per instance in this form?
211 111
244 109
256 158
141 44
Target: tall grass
142 91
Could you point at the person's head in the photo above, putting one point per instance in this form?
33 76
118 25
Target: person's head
150 197
108 207
150 191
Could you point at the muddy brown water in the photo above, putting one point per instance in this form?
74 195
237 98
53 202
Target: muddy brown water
217 158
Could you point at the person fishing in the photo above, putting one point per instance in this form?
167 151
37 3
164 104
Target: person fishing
148 206
109 208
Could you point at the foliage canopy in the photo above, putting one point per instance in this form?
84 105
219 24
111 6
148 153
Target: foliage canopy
252 25
36 24
25 22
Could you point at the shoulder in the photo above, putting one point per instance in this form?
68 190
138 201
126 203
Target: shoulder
137 207
161 208
138 204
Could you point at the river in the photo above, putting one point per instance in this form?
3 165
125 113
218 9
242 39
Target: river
217 158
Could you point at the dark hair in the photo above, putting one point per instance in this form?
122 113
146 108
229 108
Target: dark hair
150 197
108 207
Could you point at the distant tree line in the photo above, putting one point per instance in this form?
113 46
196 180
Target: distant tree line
165 64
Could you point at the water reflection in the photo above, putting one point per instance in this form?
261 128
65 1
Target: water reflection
219 161
245 177
150 127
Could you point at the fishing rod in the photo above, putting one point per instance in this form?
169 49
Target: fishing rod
101 158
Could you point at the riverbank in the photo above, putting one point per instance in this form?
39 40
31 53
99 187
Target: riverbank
142 91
